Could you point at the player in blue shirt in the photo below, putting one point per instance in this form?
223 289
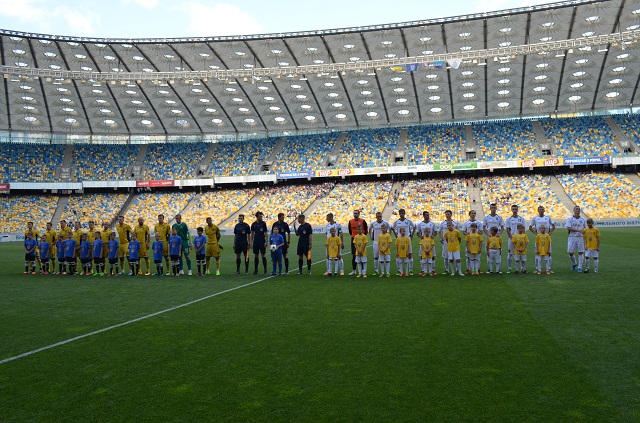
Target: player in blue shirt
60 251
175 251
45 251
30 245
85 255
70 246
199 244
98 259
134 254
276 256
158 253
113 248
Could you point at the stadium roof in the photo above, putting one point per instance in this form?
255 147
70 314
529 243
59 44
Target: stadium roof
470 67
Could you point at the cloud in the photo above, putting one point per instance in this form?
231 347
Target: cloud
494 5
81 22
220 19
27 11
147 4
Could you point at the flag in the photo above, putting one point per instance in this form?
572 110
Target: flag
412 67
454 63
438 64
398 68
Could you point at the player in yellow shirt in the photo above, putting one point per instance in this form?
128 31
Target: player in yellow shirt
333 244
212 249
473 241
77 237
453 237
494 250
360 242
543 250
51 236
384 251
592 245
426 256
124 234
105 235
64 229
144 238
164 229
403 251
520 242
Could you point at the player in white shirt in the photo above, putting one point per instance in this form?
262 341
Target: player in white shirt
511 224
493 220
576 226
428 228
409 227
442 230
374 230
332 224
466 230
545 221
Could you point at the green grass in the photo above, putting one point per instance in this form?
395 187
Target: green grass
501 348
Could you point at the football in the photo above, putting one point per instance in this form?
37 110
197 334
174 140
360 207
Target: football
273 247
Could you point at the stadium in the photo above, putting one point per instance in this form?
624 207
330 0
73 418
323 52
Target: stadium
531 107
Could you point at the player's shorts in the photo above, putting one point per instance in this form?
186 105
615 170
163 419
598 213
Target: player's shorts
259 249
511 247
575 243
175 258
212 250
85 261
113 261
591 254
285 248
361 259
124 250
45 260
241 248
384 257
520 257
376 250
37 252
133 260
474 256
494 256
276 255
453 255
98 260
30 257
144 251
303 249
200 257
165 249
70 259
429 255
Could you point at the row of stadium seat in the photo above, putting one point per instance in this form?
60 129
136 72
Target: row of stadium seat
600 194
504 140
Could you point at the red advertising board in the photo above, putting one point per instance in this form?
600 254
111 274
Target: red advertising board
154 184
5 188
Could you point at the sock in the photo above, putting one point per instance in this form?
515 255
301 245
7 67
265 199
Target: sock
217 263
375 264
341 265
274 267
308 264
467 263
595 264
329 265
410 265
573 259
458 267
264 264
199 266
549 261
580 260
188 263
509 260
286 264
300 265
208 264
246 264
238 264
255 264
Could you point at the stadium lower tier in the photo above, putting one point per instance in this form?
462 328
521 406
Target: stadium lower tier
600 194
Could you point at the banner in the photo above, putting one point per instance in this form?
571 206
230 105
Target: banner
456 166
542 162
412 67
587 160
5 188
333 172
492 165
155 184
454 63
296 175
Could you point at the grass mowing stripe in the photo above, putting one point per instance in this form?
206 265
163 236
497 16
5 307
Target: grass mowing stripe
96 332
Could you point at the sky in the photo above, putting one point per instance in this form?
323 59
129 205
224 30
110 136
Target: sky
196 18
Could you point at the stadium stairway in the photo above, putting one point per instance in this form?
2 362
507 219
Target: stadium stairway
476 194
557 187
470 145
63 173
136 170
269 161
334 156
242 210
401 150
123 209
618 135
633 177
543 141
391 205
203 167
62 204
193 202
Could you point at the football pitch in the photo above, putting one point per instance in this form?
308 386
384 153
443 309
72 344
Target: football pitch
252 348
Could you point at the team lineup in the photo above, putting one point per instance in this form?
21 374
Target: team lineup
99 252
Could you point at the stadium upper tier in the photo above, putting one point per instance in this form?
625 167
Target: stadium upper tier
462 68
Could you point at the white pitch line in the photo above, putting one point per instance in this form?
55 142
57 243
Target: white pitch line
128 322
